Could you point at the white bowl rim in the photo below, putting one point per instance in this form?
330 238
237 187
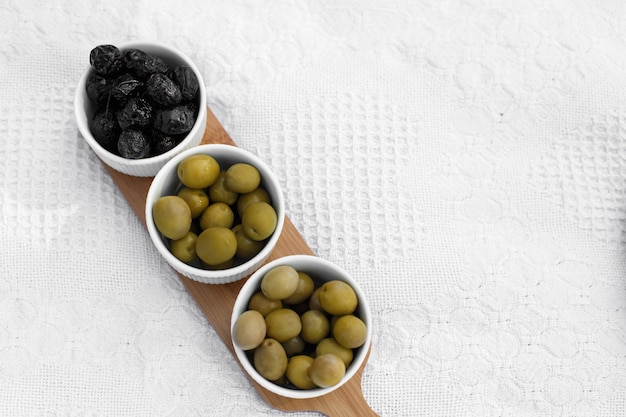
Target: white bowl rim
240 306
79 109
209 274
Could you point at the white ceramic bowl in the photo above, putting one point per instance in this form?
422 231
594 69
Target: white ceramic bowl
147 167
166 182
320 270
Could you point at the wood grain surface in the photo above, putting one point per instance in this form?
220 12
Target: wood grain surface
216 301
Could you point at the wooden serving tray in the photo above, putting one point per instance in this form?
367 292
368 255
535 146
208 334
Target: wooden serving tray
216 301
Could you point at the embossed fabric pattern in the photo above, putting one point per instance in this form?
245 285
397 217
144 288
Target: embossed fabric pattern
465 160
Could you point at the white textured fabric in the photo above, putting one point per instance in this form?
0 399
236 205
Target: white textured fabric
465 160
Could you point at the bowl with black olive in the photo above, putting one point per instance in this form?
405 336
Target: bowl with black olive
301 326
215 212
138 104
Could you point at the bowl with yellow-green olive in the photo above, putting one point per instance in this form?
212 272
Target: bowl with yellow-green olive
301 326
215 213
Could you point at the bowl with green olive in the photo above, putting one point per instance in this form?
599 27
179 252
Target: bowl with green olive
301 326
215 212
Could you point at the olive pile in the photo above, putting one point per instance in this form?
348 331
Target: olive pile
144 107
217 218
300 334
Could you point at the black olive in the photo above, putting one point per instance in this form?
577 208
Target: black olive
133 144
161 143
163 90
174 121
124 87
143 64
136 113
105 130
106 59
187 81
98 88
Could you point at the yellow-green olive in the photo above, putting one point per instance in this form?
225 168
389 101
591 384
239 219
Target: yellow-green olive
262 304
217 214
330 345
349 331
279 282
315 326
337 298
216 245
283 324
303 292
258 195
249 330
327 370
314 301
242 178
259 221
218 193
219 267
185 247
270 359
294 346
198 171
297 371
172 216
196 199
246 247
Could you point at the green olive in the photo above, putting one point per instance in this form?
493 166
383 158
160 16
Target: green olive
314 301
282 381
327 370
298 371
303 292
198 171
294 346
217 215
258 195
262 304
185 247
330 345
246 247
279 282
270 359
196 199
249 330
219 267
349 331
172 216
242 178
259 220
315 326
220 194
216 245
337 298
283 324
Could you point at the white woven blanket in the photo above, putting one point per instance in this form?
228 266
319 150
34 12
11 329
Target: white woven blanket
465 160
